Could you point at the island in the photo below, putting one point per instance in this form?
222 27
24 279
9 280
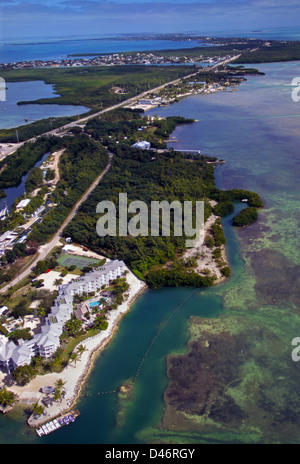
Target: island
64 288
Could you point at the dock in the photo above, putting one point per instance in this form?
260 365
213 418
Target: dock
192 152
57 423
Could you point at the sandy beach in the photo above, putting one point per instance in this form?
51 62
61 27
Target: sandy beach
73 375
204 254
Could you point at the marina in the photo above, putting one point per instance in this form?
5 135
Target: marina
56 424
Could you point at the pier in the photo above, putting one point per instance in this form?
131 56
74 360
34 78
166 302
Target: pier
192 152
56 424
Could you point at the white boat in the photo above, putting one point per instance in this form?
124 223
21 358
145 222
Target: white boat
57 423
45 430
4 212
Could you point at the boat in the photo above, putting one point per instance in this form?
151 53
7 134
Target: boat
55 424
4 212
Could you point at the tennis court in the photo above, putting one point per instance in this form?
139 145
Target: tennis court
78 261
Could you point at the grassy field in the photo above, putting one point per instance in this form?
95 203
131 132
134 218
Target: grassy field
91 87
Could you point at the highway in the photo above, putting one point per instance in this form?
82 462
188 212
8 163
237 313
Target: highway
9 150
46 249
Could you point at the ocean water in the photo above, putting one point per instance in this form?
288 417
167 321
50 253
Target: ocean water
15 49
271 33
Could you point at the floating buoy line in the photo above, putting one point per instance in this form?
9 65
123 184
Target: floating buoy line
163 326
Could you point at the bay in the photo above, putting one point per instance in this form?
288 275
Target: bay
47 49
16 49
14 115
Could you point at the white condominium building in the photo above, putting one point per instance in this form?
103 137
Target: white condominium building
46 343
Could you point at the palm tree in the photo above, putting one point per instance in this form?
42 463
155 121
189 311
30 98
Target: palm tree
59 384
38 409
58 282
80 350
7 398
40 311
74 357
57 395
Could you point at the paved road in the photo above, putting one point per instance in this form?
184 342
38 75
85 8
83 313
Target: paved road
9 150
46 249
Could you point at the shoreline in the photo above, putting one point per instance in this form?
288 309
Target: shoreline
75 377
93 355
205 261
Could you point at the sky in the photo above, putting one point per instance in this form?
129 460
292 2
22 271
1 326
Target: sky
52 18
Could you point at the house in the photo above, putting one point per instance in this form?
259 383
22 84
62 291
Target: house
3 310
23 204
21 356
143 145
94 279
47 344
13 356
6 352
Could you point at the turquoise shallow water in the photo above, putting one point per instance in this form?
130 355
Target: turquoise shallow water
256 131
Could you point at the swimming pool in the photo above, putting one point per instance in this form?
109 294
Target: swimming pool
94 303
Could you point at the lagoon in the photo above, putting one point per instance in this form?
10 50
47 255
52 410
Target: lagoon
14 115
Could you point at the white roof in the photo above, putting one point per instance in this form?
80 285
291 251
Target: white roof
4 308
142 144
21 354
69 248
23 203
91 277
6 351
45 340
9 235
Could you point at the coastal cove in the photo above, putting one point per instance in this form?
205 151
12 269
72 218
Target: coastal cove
243 296
14 115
